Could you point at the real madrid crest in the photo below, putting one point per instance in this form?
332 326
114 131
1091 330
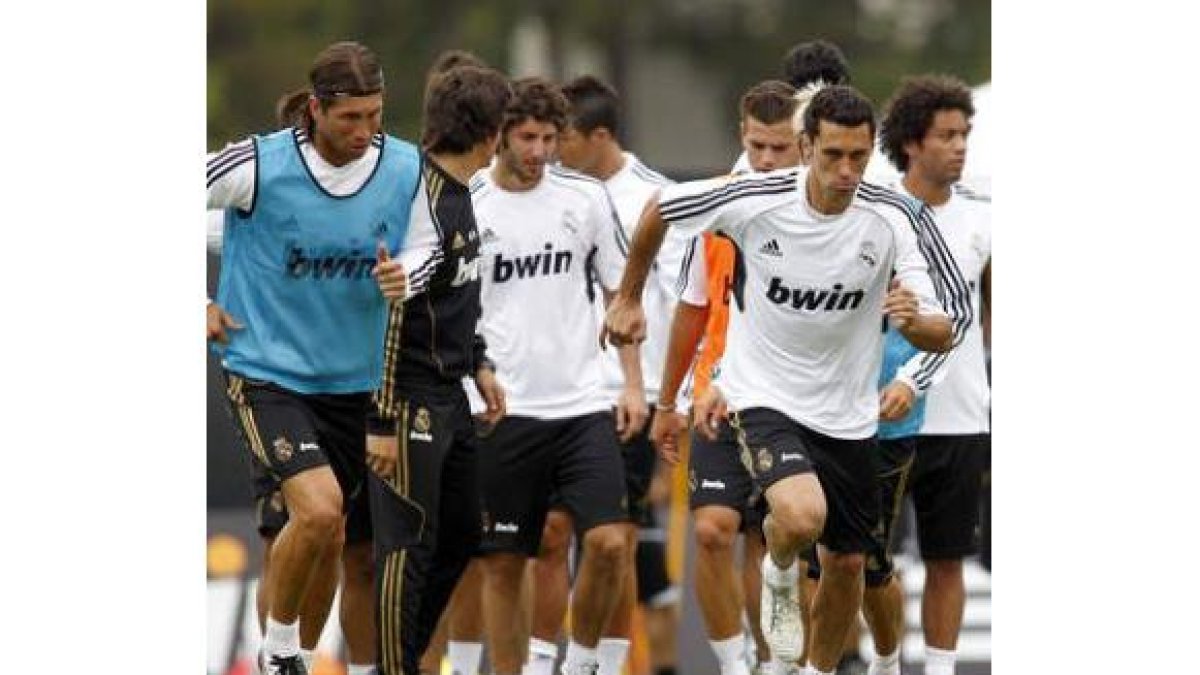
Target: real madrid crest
421 421
765 460
283 449
868 255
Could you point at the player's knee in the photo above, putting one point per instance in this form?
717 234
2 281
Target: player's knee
607 545
715 535
321 519
556 536
845 565
943 571
799 520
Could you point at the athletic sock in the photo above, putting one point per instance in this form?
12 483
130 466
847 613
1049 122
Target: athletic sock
731 655
359 669
542 655
307 656
939 661
577 657
611 653
464 656
281 638
885 664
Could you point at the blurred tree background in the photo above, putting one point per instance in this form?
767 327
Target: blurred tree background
258 49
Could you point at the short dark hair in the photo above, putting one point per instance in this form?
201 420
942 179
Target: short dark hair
342 69
821 60
769 102
593 104
840 104
538 98
910 112
452 58
463 106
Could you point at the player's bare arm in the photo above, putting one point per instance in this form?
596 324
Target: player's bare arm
625 321
219 322
927 332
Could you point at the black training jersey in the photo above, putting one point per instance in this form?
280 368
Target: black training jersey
431 337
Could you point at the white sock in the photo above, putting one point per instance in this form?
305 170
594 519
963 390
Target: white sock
611 653
542 655
307 656
812 670
359 669
779 577
731 655
939 661
464 656
281 638
577 657
885 664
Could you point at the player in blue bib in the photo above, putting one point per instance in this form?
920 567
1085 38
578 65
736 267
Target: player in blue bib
313 215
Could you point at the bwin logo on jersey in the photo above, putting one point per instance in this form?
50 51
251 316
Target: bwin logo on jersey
546 263
337 263
814 299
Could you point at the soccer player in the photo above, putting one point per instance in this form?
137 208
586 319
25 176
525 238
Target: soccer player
721 496
589 144
424 491
542 228
924 134
819 249
300 318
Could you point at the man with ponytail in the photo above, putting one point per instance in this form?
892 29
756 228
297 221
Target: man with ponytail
313 214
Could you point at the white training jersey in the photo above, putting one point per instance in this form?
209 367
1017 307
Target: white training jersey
232 171
630 189
959 402
805 334
540 327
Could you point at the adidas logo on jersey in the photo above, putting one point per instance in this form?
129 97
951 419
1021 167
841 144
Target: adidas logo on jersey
345 264
771 248
488 235
545 264
814 299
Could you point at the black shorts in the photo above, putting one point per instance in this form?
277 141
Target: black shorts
640 461
774 447
946 482
654 587
287 432
895 468
523 460
717 476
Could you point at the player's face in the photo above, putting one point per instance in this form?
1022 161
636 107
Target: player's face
839 158
940 156
343 130
770 146
579 150
527 147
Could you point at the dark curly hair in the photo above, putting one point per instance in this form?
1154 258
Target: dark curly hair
910 112
841 105
808 62
463 106
594 104
537 98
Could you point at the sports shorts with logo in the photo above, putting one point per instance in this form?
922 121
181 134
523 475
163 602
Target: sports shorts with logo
523 460
946 482
774 447
895 468
287 433
654 587
717 476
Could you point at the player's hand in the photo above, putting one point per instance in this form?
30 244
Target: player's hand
900 305
895 401
492 393
389 274
708 412
665 431
631 413
624 323
382 454
219 321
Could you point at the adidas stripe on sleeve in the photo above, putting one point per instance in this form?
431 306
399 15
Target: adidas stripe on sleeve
231 176
422 253
723 204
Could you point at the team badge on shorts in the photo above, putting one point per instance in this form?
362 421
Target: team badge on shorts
765 460
276 502
420 426
283 449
